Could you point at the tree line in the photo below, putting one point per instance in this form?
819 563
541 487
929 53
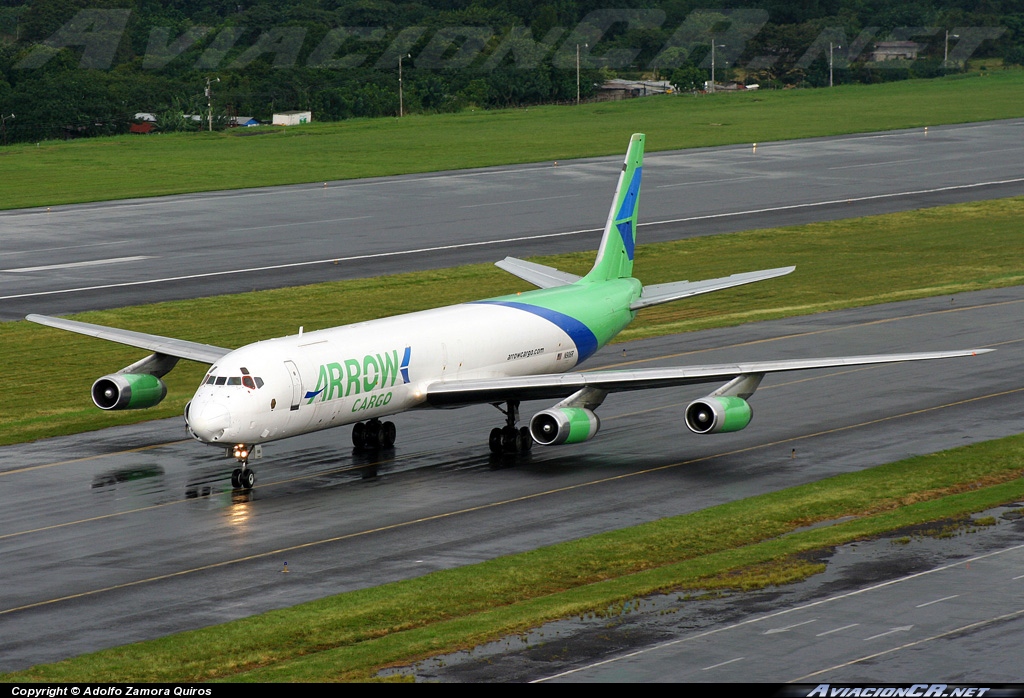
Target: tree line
72 68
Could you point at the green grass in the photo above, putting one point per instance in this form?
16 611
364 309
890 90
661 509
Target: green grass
745 544
52 173
843 264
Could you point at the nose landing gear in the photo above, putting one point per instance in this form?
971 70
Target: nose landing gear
243 477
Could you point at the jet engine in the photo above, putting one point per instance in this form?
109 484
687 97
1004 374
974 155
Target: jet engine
713 415
128 391
564 425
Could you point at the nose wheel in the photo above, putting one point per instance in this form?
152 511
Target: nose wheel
242 478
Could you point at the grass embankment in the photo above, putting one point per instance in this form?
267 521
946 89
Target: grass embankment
52 173
751 543
842 264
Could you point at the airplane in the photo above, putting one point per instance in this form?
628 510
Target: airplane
500 351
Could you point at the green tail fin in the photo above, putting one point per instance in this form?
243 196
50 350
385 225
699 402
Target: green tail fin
615 256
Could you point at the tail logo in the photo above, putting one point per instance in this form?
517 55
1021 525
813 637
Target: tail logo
627 213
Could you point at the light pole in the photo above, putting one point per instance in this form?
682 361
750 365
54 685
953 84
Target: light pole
578 71
401 104
830 47
945 51
713 62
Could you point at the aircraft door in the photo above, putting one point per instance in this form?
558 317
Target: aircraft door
293 372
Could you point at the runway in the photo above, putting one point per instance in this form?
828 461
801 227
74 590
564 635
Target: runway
92 256
134 532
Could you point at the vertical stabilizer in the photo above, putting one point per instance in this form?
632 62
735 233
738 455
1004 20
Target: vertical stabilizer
615 256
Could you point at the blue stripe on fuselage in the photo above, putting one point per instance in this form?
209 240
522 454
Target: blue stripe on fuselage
581 335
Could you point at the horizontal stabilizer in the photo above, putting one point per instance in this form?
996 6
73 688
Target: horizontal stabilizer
193 351
559 385
656 294
536 274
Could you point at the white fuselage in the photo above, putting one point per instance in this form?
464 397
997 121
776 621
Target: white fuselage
292 385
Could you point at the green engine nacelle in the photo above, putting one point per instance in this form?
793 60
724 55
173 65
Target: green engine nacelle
712 415
564 425
128 391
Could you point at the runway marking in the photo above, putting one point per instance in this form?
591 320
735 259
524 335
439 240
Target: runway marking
65 247
836 630
505 241
721 664
692 183
521 201
946 598
939 636
467 510
795 609
901 629
874 164
74 265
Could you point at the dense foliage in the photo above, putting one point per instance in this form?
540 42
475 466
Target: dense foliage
86 67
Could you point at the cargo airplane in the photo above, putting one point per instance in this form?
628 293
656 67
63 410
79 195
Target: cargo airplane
500 351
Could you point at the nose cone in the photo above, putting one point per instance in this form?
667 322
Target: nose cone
207 420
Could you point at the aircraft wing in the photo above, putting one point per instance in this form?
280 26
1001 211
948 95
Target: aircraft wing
560 385
194 351
656 294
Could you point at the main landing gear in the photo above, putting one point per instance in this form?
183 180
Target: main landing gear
510 439
242 478
374 434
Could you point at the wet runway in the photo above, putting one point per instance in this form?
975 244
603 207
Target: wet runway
93 256
134 532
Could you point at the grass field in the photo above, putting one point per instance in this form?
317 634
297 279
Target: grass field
750 543
52 173
841 264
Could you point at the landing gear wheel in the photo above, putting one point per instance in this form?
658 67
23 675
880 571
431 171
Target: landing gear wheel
526 444
388 434
246 479
372 434
511 441
235 474
495 440
358 430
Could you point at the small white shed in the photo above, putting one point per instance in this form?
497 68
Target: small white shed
292 118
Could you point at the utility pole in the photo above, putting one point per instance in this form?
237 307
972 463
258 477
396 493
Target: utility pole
401 105
713 62
578 72
209 103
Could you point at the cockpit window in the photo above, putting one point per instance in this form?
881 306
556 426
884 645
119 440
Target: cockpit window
250 382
